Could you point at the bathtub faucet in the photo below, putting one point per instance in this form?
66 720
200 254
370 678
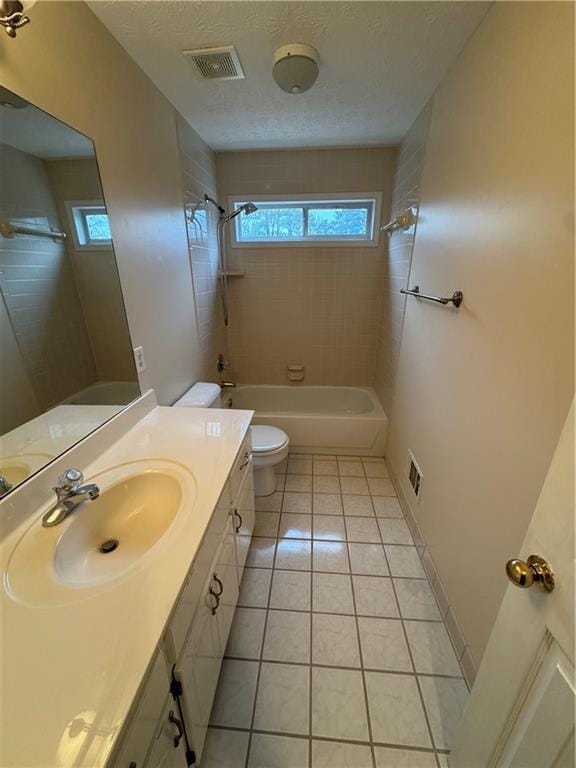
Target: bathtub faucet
227 385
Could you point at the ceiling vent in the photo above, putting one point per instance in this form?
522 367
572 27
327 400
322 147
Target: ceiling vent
217 63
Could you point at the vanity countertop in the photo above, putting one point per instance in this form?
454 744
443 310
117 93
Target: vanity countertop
70 672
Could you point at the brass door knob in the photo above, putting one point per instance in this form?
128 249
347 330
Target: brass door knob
534 571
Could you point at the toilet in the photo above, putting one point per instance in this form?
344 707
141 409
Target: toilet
269 444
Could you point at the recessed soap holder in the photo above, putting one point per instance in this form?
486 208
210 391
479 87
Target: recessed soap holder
295 372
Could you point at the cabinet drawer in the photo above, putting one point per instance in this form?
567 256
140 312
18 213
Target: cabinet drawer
190 595
240 465
141 726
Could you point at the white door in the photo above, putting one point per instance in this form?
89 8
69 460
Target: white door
521 711
243 518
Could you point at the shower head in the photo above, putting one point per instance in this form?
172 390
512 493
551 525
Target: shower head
247 208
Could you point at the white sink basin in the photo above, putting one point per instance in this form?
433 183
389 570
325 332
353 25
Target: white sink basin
102 540
19 467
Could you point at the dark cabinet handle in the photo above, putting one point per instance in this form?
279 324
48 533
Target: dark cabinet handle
246 460
178 723
217 580
216 598
240 521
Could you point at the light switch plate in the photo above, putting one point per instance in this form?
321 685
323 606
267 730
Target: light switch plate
139 358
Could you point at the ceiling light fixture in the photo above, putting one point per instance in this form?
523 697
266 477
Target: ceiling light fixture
296 67
12 15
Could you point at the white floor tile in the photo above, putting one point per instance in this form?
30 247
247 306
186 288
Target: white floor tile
416 599
298 483
266 524
362 529
355 506
291 590
349 458
287 637
294 555
384 645
327 504
299 466
381 486
224 749
394 531
332 593
387 506
334 640
350 469
375 597
338 704
444 699
333 754
277 752
431 648
295 526
297 502
329 528
255 587
354 485
403 758
261 553
272 503
330 556
373 469
324 467
396 711
245 640
282 702
368 559
235 694
326 484
404 561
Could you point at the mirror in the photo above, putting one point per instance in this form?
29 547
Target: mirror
66 357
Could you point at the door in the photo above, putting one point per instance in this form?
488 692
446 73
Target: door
243 518
521 711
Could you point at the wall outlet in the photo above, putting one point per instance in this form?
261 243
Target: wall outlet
139 358
414 475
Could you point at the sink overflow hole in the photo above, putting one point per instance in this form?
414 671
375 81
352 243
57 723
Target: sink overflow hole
109 546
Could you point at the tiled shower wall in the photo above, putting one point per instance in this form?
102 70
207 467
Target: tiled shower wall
399 257
199 173
317 307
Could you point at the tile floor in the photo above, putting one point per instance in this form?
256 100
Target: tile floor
338 656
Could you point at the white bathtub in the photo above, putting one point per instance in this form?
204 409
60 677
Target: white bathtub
348 420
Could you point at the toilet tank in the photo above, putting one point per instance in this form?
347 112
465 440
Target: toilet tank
201 395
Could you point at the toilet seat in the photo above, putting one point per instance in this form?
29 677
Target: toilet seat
267 439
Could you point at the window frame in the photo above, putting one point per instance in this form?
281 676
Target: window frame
77 210
346 199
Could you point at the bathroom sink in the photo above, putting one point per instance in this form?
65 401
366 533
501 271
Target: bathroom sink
103 540
19 467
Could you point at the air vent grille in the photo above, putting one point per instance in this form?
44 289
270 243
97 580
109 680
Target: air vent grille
217 63
414 475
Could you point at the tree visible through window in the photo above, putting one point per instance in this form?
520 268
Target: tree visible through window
303 221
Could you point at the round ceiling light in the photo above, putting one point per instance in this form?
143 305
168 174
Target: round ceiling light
296 67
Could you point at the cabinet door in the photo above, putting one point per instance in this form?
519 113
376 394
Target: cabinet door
169 747
226 576
243 518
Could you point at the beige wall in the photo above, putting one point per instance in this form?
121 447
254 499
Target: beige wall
399 256
38 287
67 63
317 307
482 393
199 175
95 273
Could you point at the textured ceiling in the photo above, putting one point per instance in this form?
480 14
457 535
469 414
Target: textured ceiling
380 62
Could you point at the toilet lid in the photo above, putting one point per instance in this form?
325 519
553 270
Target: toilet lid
267 438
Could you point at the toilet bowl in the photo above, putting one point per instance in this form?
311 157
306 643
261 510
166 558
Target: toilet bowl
269 447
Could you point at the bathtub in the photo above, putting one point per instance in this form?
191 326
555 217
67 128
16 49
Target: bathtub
348 420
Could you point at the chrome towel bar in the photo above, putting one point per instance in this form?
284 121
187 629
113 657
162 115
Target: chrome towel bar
456 298
9 230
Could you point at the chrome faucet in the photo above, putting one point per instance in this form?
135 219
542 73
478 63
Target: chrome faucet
5 486
227 385
69 495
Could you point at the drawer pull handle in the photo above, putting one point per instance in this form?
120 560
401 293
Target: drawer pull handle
217 580
240 521
178 723
216 597
246 460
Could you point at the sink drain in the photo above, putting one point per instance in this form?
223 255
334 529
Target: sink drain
109 546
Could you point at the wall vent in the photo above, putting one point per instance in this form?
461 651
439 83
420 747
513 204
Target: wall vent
414 475
217 63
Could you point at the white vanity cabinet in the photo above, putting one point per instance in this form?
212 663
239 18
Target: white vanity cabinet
170 718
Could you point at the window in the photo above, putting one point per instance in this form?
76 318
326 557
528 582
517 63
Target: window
327 219
90 225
